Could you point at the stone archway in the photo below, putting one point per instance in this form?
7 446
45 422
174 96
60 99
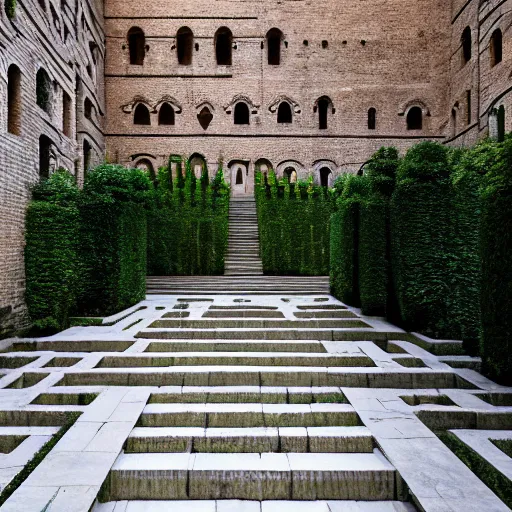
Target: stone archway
238 172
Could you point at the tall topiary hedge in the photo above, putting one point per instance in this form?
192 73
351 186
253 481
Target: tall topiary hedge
344 242
113 239
423 252
293 221
375 282
51 251
188 224
496 258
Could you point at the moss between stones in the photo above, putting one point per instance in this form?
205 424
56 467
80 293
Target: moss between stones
505 445
334 398
37 459
484 470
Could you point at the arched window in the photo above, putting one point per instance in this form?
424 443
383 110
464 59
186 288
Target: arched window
14 100
466 45
88 108
239 177
323 110
223 46
284 113
87 150
274 38
166 114
496 47
291 174
454 122
137 46
45 145
141 115
324 176
501 123
66 114
372 119
185 45
145 165
241 113
415 119
43 90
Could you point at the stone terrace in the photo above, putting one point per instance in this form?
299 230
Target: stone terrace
285 402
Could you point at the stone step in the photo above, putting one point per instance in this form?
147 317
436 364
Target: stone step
237 291
246 272
248 415
353 439
166 359
372 377
254 506
248 313
253 476
246 395
253 323
236 346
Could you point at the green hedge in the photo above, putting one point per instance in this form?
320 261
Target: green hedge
293 221
496 257
51 255
188 224
344 242
421 233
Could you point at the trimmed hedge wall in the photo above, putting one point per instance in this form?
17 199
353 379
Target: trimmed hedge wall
496 257
293 221
51 252
188 225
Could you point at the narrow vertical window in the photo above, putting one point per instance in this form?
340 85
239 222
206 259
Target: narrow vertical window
466 45
14 100
468 106
86 156
185 45
415 119
241 115
284 113
223 46
323 109
496 47
66 114
274 38
43 90
454 122
325 173
372 119
136 46
141 115
501 123
88 109
45 145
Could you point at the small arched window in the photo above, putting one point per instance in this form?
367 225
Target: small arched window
166 114
466 45
45 152
274 38
372 119
87 151
241 113
323 111
145 165
496 47
239 177
14 100
501 123
66 114
223 46
141 115
185 45
415 119
291 174
137 46
324 176
88 108
284 113
43 90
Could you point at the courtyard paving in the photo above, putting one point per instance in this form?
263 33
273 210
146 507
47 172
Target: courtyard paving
253 403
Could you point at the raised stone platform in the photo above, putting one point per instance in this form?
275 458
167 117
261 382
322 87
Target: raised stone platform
259 403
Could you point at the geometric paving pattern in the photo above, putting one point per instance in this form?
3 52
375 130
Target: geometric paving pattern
247 403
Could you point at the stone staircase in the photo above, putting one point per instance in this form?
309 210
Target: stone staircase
243 255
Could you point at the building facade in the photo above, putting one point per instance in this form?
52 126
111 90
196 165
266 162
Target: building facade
303 87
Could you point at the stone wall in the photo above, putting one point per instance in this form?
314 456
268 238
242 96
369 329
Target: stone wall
66 40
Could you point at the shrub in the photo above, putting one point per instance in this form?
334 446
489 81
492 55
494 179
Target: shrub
188 224
293 221
344 241
113 239
51 256
10 8
422 249
496 258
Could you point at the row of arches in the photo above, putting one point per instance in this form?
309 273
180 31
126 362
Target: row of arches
185 46
242 115
495 46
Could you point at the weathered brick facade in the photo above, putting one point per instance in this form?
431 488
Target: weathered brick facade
395 57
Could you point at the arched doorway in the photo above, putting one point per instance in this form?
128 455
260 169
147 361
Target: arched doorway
238 175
